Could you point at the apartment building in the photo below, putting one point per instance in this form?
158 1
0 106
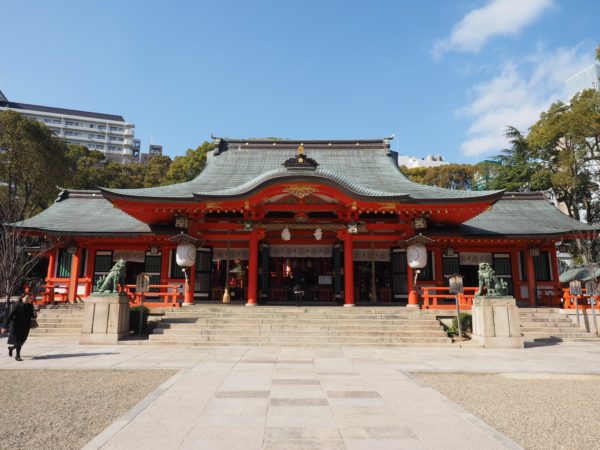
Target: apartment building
108 133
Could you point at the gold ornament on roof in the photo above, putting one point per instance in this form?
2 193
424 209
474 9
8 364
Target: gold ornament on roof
300 190
301 149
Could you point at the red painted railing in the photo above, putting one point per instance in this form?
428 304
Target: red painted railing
441 298
167 295
583 301
51 294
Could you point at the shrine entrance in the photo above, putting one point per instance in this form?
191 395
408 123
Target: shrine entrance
314 274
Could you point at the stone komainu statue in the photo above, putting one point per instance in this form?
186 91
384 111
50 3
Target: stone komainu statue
110 281
493 285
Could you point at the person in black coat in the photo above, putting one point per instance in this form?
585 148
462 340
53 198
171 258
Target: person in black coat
18 321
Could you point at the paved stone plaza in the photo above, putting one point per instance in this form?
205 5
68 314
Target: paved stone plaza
238 397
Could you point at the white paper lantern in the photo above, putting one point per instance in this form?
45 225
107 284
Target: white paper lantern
318 234
416 256
185 255
285 234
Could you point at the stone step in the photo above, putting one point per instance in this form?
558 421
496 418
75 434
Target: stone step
295 326
551 329
57 331
537 335
300 321
299 339
307 333
563 339
546 319
294 344
42 319
54 315
554 323
302 309
59 325
307 316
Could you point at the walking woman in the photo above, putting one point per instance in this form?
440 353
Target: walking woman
18 322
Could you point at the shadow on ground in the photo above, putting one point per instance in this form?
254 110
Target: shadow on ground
71 355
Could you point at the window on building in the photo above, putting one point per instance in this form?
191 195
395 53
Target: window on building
426 273
91 125
176 271
102 264
503 267
399 273
56 121
63 268
450 266
82 262
541 267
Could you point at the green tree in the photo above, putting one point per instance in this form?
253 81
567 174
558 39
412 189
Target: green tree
156 170
32 163
566 140
449 176
518 168
188 167
89 167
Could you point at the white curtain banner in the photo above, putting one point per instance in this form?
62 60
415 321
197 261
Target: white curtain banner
367 254
301 251
220 254
473 259
130 255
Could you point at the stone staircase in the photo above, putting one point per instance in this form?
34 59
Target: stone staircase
548 324
304 326
59 320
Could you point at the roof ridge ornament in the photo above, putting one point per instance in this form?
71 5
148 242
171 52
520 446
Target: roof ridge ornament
300 161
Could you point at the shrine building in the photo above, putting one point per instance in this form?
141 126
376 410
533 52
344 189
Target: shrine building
335 214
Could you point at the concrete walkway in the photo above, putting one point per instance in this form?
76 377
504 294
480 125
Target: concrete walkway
274 398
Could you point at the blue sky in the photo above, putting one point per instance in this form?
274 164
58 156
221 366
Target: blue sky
446 77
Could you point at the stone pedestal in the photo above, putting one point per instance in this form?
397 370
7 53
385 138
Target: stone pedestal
105 319
496 322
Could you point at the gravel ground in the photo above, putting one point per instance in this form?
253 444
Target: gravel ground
64 409
539 411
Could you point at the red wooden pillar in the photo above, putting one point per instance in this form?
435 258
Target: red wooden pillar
75 260
190 287
50 274
530 278
253 269
348 270
413 298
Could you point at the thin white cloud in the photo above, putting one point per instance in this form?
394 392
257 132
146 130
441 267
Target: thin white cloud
498 17
517 96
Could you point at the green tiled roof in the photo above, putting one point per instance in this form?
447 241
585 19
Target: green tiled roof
84 212
581 273
518 214
362 168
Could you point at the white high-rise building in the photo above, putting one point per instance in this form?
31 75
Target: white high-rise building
107 133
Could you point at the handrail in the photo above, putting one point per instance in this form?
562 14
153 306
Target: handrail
439 297
583 301
168 295
52 293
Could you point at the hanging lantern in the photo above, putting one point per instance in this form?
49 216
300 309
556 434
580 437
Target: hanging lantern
318 234
185 255
285 234
416 256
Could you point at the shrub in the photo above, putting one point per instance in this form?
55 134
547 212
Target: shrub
466 323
